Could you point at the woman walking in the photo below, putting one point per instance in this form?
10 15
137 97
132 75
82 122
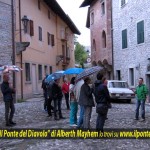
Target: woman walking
73 103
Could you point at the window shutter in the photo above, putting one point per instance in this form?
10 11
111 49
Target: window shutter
40 33
124 39
31 28
48 38
140 32
52 40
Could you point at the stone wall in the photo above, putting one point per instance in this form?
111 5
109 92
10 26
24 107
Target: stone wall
5 34
135 55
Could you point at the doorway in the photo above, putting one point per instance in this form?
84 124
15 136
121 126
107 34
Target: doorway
148 85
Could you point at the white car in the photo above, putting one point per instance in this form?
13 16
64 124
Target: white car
120 90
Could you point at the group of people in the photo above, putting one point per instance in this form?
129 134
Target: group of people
77 94
81 93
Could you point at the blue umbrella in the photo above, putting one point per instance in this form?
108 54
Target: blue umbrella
73 71
55 76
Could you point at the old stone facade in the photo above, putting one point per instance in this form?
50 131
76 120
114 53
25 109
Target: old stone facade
5 33
131 61
99 23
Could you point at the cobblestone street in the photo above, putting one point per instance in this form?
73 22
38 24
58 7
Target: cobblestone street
30 114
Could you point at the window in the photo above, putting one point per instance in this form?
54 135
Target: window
131 76
45 70
94 45
49 38
123 2
40 72
52 40
140 32
51 70
39 4
27 72
103 8
124 39
103 39
40 33
92 17
49 14
118 74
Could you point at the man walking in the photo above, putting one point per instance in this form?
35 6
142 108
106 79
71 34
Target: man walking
141 92
7 91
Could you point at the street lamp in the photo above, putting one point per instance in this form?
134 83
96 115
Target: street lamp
25 21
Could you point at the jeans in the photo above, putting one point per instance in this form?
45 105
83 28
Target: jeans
73 112
67 100
138 103
57 104
80 122
9 105
100 122
87 117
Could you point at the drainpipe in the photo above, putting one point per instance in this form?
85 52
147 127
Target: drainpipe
21 51
66 43
112 39
13 43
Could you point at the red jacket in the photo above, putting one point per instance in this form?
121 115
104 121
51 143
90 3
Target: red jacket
65 88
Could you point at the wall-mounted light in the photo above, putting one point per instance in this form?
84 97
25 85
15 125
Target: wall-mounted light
25 21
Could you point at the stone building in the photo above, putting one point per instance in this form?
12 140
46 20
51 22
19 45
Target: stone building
6 41
6 36
131 40
99 23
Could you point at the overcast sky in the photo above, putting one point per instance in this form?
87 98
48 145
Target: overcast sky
78 16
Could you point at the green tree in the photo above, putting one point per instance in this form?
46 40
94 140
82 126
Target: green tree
80 54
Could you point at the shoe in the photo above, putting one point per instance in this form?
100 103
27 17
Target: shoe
62 117
136 118
49 116
56 118
12 123
73 125
9 125
143 119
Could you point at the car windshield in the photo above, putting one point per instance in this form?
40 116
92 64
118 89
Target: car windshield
118 85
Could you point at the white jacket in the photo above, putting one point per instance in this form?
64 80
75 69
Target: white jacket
77 89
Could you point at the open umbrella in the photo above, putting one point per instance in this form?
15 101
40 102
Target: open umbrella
73 71
55 76
9 68
87 72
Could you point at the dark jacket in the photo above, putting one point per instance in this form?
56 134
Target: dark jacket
104 96
86 98
7 91
96 86
56 91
